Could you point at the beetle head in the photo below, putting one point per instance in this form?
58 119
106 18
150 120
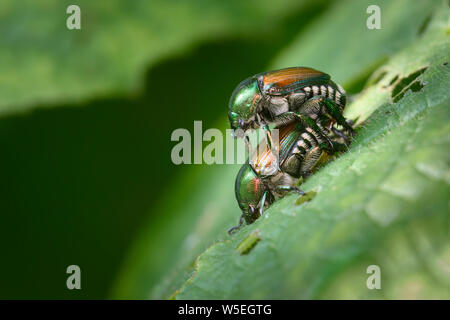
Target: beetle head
244 104
249 191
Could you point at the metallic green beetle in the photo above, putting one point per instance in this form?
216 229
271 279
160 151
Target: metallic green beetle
281 95
251 194
259 183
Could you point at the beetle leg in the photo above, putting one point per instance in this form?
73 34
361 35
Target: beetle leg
350 122
308 122
248 144
341 134
340 146
268 137
261 204
310 161
270 143
334 111
234 229
290 188
285 118
330 126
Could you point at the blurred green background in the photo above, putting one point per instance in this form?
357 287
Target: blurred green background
86 118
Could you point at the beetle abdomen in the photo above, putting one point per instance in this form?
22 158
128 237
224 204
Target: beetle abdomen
300 153
330 90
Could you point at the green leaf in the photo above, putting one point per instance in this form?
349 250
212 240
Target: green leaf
340 43
382 203
44 63
385 198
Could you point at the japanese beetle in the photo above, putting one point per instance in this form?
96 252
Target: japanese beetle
259 183
252 195
282 95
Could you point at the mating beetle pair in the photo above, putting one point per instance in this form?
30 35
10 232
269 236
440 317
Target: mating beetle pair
276 97
305 104
258 184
